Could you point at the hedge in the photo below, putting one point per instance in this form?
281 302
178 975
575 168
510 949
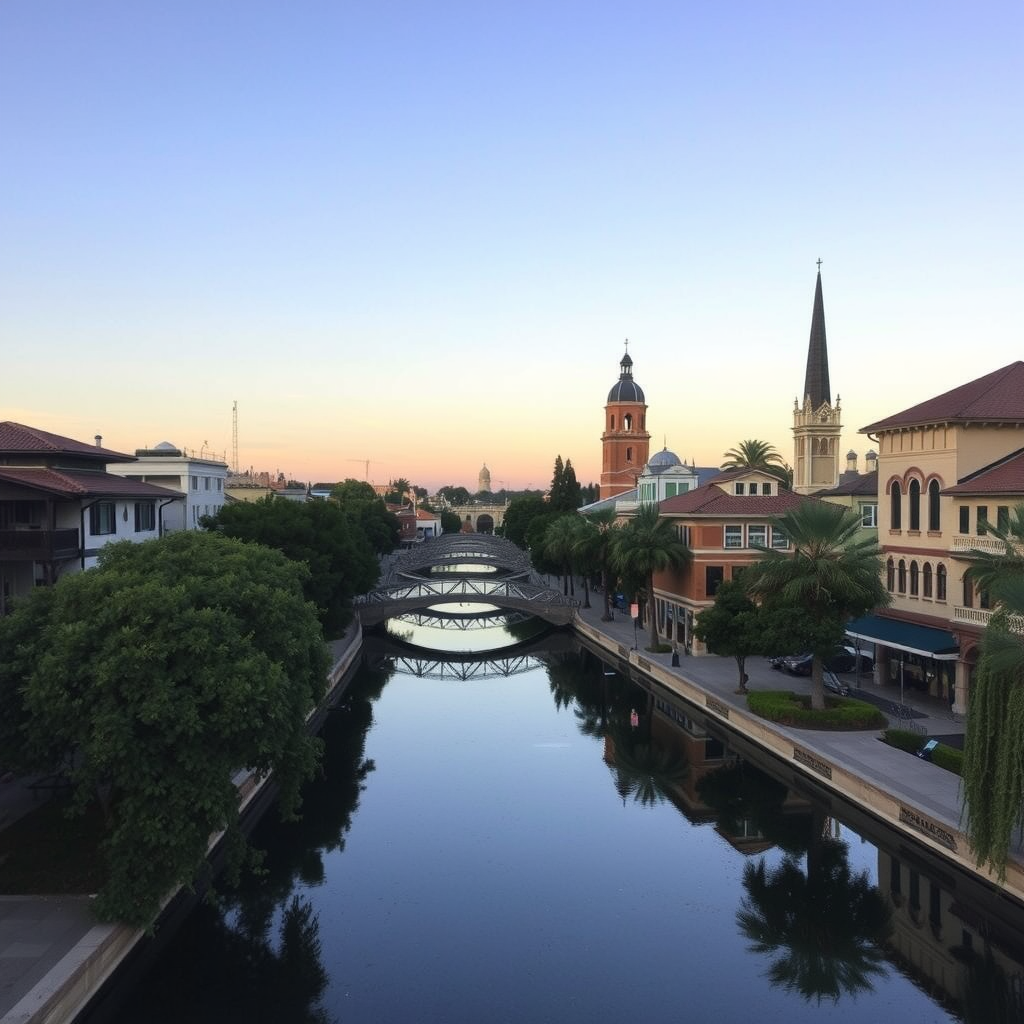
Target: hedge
942 754
788 708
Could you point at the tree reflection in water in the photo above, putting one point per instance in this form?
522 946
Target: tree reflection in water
826 926
988 996
645 769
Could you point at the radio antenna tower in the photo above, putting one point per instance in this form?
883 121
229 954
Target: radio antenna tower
234 439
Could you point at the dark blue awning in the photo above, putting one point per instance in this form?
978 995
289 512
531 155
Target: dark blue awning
905 636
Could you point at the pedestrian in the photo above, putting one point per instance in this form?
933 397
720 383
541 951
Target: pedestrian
634 718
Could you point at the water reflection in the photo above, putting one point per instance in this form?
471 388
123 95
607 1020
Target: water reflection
463 569
528 850
464 627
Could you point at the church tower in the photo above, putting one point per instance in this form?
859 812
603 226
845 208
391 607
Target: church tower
816 425
625 441
483 480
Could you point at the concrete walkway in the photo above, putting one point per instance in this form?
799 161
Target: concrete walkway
44 941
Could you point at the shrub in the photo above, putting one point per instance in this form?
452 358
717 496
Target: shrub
949 758
789 708
906 740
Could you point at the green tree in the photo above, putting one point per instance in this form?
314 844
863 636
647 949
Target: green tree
732 627
397 491
450 522
595 542
832 575
333 541
754 454
993 767
518 516
454 495
645 545
565 494
353 490
155 677
559 547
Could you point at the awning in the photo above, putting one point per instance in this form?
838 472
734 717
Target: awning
927 641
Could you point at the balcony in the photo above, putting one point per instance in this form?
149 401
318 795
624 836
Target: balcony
981 616
966 543
38 545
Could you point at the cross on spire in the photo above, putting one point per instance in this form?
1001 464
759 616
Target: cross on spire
819 264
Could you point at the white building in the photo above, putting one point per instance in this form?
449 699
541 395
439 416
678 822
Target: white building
201 480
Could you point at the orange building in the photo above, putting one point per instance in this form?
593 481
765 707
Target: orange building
625 442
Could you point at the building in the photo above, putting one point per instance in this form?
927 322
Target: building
816 422
857 490
625 442
483 482
59 506
719 522
200 479
946 467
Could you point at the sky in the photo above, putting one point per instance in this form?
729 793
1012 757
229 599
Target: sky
417 235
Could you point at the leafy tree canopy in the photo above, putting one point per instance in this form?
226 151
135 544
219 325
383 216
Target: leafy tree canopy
518 516
450 522
152 679
333 541
353 490
565 495
454 495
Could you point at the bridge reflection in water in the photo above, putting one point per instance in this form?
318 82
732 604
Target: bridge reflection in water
521 851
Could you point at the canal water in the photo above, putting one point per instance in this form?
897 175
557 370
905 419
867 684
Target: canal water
532 837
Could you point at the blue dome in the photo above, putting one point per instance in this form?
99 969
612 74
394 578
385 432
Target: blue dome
625 388
663 460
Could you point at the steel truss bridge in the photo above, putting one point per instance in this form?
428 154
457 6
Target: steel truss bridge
405 588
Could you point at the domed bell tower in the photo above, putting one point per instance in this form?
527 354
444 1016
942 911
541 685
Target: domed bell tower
625 442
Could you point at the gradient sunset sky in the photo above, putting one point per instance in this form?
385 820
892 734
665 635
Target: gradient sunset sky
418 233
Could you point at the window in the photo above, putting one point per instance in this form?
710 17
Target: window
757 535
220 484
940 583
914 502
206 483
896 501
102 518
965 519
613 422
670 490
982 518
627 423
741 487
734 536
195 483
629 454
779 539
933 506
766 488
934 906
927 590
713 576
869 514
145 516
1002 517
890 575
683 534
901 573
914 579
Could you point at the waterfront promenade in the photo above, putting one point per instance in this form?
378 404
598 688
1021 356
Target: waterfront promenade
51 951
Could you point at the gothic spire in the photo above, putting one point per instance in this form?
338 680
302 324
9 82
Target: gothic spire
816 385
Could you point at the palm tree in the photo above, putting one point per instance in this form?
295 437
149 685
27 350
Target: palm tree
827 926
993 770
645 545
832 575
753 454
559 546
598 546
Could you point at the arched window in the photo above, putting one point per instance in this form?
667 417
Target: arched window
896 506
914 577
613 421
890 575
902 574
915 505
927 589
968 593
933 506
627 422
629 454
940 583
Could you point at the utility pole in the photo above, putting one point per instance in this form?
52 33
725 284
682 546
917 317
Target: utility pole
234 439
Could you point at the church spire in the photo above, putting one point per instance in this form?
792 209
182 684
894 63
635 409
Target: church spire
816 384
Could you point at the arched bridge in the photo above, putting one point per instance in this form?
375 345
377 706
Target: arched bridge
453 549
407 587
401 597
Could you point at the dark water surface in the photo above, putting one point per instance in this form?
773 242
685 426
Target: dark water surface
513 849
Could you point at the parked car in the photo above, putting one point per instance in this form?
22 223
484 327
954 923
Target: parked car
867 661
844 660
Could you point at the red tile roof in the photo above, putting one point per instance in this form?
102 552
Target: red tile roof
996 397
1003 477
863 484
17 439
711 500
72 484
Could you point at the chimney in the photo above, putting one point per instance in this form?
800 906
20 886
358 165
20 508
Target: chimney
851 461
99 440
871 461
